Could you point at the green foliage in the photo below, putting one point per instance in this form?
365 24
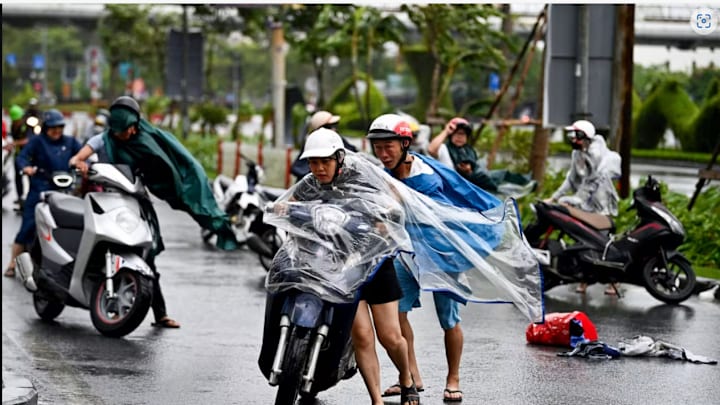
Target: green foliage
667 106
515 148
156 105
204 149
343 104
705 129
299 116
22 98
211 115
421 62
455 35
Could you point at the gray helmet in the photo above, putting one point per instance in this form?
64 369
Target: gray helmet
126 102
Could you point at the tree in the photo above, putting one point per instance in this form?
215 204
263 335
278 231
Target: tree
125 37
453 34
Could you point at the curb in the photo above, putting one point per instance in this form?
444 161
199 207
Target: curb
17 390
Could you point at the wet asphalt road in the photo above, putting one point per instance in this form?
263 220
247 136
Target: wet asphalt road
218 298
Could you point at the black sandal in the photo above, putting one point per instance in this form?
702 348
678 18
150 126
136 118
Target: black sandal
409 394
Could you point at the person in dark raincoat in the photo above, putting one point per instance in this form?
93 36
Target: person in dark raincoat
169 171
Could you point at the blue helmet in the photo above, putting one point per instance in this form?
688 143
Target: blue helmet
53 118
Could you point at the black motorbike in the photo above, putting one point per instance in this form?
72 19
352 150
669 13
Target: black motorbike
576 246
312 297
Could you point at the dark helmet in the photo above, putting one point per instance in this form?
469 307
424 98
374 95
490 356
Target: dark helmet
390 126
126 102
462 123
53 118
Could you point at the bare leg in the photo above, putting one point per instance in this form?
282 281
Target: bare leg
409 336
15 251
453 352
387 325
363 338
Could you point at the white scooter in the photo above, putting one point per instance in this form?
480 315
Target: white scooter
91 252
243 199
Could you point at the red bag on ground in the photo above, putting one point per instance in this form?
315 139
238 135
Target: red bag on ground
562 329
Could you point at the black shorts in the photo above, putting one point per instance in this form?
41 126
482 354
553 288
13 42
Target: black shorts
384 286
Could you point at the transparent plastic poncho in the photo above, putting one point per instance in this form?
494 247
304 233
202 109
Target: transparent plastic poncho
337 234
473 255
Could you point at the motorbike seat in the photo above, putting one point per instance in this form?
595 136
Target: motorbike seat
67 210
598 221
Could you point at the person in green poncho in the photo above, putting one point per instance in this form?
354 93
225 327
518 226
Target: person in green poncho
170 173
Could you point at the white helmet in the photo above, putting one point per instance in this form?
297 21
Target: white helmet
389 126
586 127
322 143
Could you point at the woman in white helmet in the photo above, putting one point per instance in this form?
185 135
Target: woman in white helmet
335 173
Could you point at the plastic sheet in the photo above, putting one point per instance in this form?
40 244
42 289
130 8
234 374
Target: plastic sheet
474 256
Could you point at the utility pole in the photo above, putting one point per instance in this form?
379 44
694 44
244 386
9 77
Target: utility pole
183 80
582 64
278 83
627 30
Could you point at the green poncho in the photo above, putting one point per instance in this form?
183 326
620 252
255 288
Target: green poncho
172 174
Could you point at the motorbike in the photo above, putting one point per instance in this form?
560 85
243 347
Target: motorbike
312 296
243 199
576 246
92 252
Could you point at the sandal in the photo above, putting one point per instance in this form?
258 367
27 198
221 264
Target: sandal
409 395
448 398
166 322
10 272
395 389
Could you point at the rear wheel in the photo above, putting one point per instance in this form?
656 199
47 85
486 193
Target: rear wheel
119 315
293 367
671 284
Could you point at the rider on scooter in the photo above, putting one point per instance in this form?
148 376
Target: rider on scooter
48 152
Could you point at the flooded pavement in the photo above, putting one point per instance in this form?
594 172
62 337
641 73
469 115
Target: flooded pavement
218 297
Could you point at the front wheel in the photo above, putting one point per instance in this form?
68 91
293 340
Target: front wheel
293 367
671 284
119 315
47 308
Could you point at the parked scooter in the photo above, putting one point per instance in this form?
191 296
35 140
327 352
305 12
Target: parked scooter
243 200
576 246
312 297
91 252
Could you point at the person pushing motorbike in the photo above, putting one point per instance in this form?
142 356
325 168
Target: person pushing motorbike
170 172
378 307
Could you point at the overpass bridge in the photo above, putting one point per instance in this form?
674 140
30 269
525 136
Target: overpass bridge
665 25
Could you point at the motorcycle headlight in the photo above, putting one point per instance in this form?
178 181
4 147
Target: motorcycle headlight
675 225
329 220
127 220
